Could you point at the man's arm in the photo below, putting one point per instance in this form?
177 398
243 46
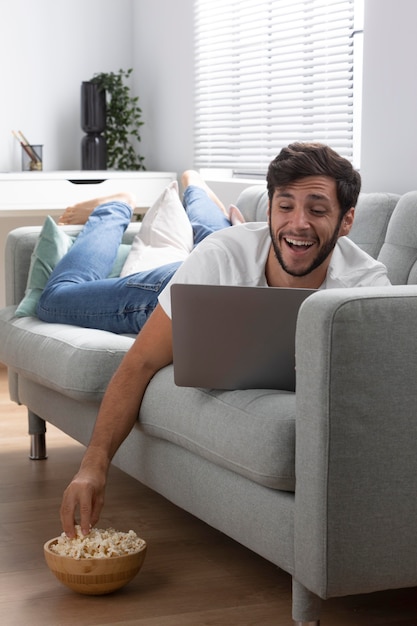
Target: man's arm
118 413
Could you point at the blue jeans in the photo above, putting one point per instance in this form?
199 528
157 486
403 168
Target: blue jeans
78 291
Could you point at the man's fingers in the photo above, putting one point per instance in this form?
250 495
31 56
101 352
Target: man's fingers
67 513
82 497
95 513
85 511
76 498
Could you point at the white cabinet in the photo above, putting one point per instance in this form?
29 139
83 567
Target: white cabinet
23 193
26 198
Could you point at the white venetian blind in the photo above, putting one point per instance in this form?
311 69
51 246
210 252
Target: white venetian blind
270 72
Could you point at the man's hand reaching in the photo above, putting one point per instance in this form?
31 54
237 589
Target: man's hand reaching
84 496
118 413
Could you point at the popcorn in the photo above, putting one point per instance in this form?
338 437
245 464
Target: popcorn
98 544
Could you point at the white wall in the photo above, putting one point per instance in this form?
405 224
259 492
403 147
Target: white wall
389 118
164 81
47 48
163 53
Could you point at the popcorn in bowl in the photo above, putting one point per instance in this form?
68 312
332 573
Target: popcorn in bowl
98 563
98 544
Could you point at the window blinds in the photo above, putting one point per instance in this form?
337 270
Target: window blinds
269 72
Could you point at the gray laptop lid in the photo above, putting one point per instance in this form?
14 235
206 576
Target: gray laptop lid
228 337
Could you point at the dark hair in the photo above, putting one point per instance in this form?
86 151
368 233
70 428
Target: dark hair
299 160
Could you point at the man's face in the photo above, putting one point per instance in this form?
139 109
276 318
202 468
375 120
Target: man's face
305 223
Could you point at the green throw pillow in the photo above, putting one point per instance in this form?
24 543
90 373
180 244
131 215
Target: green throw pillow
51 246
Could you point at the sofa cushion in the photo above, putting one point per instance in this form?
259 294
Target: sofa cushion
60 356
253 203
52 244
251 432
166 235
399 251
372 215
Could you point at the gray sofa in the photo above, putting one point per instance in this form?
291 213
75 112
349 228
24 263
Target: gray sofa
321 482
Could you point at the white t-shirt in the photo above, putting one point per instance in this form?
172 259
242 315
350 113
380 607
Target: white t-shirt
238 255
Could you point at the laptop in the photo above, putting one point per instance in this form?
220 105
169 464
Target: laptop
230 337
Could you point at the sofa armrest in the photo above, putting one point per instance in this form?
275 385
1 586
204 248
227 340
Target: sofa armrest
20 244
356 433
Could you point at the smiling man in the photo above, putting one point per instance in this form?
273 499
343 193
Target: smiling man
312 193
305 222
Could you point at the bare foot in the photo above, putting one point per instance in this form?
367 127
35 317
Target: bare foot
80 212
192 177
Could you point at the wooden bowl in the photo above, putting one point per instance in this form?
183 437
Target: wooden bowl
94 576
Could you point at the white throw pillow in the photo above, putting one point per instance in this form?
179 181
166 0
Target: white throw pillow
165 236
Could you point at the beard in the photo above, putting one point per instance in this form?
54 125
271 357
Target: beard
322 254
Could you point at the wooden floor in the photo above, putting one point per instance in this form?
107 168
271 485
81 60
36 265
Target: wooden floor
192 576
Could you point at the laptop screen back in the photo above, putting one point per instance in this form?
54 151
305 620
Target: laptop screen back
229 337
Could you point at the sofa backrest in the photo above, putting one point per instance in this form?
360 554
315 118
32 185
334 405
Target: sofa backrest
399 251
253 203
372 215
385 226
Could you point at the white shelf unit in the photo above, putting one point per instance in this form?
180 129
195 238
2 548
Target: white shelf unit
23 193
26 198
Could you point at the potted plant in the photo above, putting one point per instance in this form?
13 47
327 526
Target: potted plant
123 120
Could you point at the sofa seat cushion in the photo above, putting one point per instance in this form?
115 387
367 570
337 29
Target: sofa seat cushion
76 361
251 432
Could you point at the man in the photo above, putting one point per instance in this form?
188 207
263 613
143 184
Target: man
312 192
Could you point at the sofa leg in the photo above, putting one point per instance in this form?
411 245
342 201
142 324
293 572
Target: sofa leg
305 606
37 430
